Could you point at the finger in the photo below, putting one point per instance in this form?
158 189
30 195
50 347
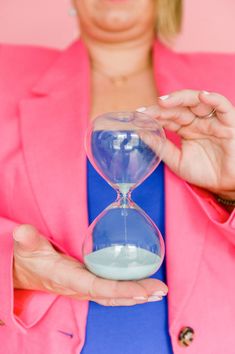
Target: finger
201 103
113 301
130 289
180 115
225 111
156 297
172 119
186 98
171 156
28 240
154 287
103 288
120 302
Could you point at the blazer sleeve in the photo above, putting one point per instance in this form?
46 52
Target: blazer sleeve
19 309
6 266
221 219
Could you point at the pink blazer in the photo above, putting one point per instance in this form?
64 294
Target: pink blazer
44 109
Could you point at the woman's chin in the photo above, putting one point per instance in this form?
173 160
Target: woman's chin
109 19
116 22
116 2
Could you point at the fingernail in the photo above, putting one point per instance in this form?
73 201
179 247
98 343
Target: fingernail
159 293
140 298
141 109
154 298
163 98
206 92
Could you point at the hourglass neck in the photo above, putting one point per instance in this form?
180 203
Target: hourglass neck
124 198
124 192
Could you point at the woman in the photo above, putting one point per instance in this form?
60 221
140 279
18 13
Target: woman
47 98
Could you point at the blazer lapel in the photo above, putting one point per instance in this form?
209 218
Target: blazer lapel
53 124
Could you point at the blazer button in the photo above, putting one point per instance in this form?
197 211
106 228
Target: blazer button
186 336
2 323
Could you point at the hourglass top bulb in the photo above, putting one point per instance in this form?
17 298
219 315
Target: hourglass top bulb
125 147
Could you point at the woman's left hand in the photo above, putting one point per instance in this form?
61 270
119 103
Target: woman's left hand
206 157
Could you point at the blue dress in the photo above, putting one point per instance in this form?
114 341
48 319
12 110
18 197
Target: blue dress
140 329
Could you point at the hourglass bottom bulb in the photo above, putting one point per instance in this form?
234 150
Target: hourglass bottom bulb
123 262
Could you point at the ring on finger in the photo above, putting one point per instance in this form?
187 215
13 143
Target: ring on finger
209 115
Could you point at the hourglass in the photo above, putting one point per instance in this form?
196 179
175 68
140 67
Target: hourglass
123 243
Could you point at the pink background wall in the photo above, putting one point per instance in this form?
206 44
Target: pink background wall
208 24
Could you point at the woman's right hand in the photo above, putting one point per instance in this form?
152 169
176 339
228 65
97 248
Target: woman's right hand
38 266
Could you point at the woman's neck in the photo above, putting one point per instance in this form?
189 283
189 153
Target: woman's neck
122 58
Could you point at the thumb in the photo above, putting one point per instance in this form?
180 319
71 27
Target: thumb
28 239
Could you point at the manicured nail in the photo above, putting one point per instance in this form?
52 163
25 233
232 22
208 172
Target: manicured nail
141 109
159 293
154 298
141 298
163 98
206 92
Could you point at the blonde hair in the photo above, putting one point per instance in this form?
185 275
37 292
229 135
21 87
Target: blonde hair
169 18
